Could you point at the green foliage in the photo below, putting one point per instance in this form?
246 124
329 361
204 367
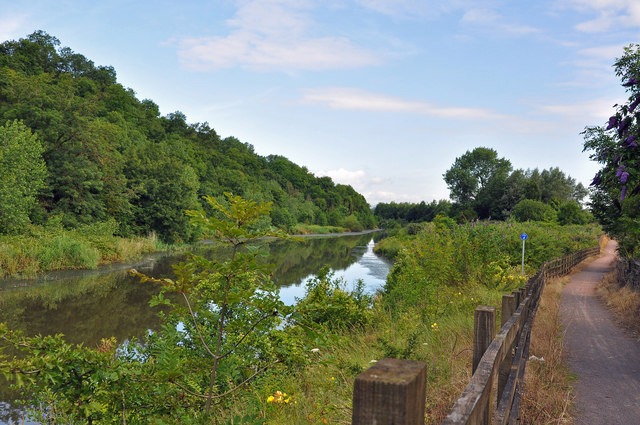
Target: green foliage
329 304
571 212
411 213
477 253
112 156
22 174
476 177
483 186
528 209
351 222
47 248
616 186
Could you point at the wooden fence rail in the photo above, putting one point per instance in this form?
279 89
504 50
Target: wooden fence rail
392 391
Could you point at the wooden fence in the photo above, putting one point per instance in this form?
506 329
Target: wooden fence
393 391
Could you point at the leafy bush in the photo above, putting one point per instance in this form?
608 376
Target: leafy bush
530 210
571 212
327 302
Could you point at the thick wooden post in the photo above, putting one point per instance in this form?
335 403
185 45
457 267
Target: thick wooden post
516 294
508 308
391 392
484 329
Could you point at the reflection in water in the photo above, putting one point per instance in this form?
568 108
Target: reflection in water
87 306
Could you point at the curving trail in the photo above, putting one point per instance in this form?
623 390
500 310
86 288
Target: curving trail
604 358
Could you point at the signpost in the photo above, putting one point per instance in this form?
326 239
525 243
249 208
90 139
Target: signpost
524 237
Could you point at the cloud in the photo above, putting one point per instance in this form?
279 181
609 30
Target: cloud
342 176
412 8
489 19
374 189
346 98
12 27
594 110
606 53
274 35
610 14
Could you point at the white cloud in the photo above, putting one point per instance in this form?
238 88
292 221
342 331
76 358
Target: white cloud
606 53
13 27
491 20
594 110
342 176
609 14
346 98
274 34
412 8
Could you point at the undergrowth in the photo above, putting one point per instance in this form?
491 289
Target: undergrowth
548 396
43 249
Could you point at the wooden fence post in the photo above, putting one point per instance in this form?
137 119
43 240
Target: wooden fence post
391 392
508 308
484 330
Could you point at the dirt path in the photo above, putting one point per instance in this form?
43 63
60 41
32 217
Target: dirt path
605 359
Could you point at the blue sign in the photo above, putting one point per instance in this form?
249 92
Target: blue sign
524 236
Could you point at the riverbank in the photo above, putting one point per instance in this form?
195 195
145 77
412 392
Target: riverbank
43 249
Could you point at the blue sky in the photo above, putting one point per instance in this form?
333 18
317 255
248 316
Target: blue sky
379 94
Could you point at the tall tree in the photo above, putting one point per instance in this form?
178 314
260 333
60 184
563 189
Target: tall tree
477 178
616 198
22 174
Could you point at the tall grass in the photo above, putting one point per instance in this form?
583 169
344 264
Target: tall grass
549 395
425 313
53 248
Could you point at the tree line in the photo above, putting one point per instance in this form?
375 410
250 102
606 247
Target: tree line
91 151
482 185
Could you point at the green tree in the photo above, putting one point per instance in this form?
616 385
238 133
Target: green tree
616 194
571 212
22 175
477 178
528 209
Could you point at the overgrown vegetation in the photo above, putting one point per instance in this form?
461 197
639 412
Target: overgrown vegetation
44 248
622 300
616 187
549 395
230 352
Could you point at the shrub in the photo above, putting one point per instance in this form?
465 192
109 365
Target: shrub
571 212
328 303
530 210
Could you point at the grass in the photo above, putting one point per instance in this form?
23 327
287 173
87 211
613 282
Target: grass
314 229
43 249
548 397
622 301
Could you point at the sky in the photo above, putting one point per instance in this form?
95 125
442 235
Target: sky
383 95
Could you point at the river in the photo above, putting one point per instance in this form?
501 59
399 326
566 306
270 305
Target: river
88 305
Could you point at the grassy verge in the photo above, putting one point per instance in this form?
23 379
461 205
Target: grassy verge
43 249
314 229
624 302
549 394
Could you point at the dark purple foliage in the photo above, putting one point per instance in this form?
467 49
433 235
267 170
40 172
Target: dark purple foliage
620 170
623 193
631 82
596 180
634 104
613 122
